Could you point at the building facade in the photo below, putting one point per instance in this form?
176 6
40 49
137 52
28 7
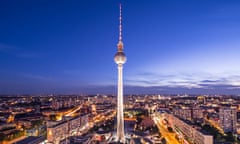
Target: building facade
228 119
190 132
57 131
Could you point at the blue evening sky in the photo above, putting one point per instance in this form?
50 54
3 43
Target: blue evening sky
67 46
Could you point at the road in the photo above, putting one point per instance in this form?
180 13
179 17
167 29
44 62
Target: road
72 111
16 140
169 136
68 112
215 124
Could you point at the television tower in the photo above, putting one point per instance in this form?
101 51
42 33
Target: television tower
120 59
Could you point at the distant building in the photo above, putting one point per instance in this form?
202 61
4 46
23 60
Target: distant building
228 119
238 122
183 113
197 113
25 123
201 99
238 116
188 113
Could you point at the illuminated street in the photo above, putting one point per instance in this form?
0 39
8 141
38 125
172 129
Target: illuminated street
170 137
72 111
214 124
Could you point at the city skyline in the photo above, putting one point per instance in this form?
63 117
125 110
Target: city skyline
174 47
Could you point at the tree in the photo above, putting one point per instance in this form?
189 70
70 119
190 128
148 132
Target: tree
164 141
170 129
53 117
2 136
229 137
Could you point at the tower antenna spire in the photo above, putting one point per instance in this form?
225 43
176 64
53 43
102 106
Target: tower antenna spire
120 42
120 23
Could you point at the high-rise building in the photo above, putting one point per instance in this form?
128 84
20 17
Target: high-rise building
228 119
238 116
120 59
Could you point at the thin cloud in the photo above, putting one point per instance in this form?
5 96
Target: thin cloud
29 55
187 80
17 52
37 77
5 47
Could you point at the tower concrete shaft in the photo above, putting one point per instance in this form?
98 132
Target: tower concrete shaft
120 118
120 59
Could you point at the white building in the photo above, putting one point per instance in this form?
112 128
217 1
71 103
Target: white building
57 131
190 131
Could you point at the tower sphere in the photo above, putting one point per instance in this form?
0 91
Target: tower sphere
120 58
